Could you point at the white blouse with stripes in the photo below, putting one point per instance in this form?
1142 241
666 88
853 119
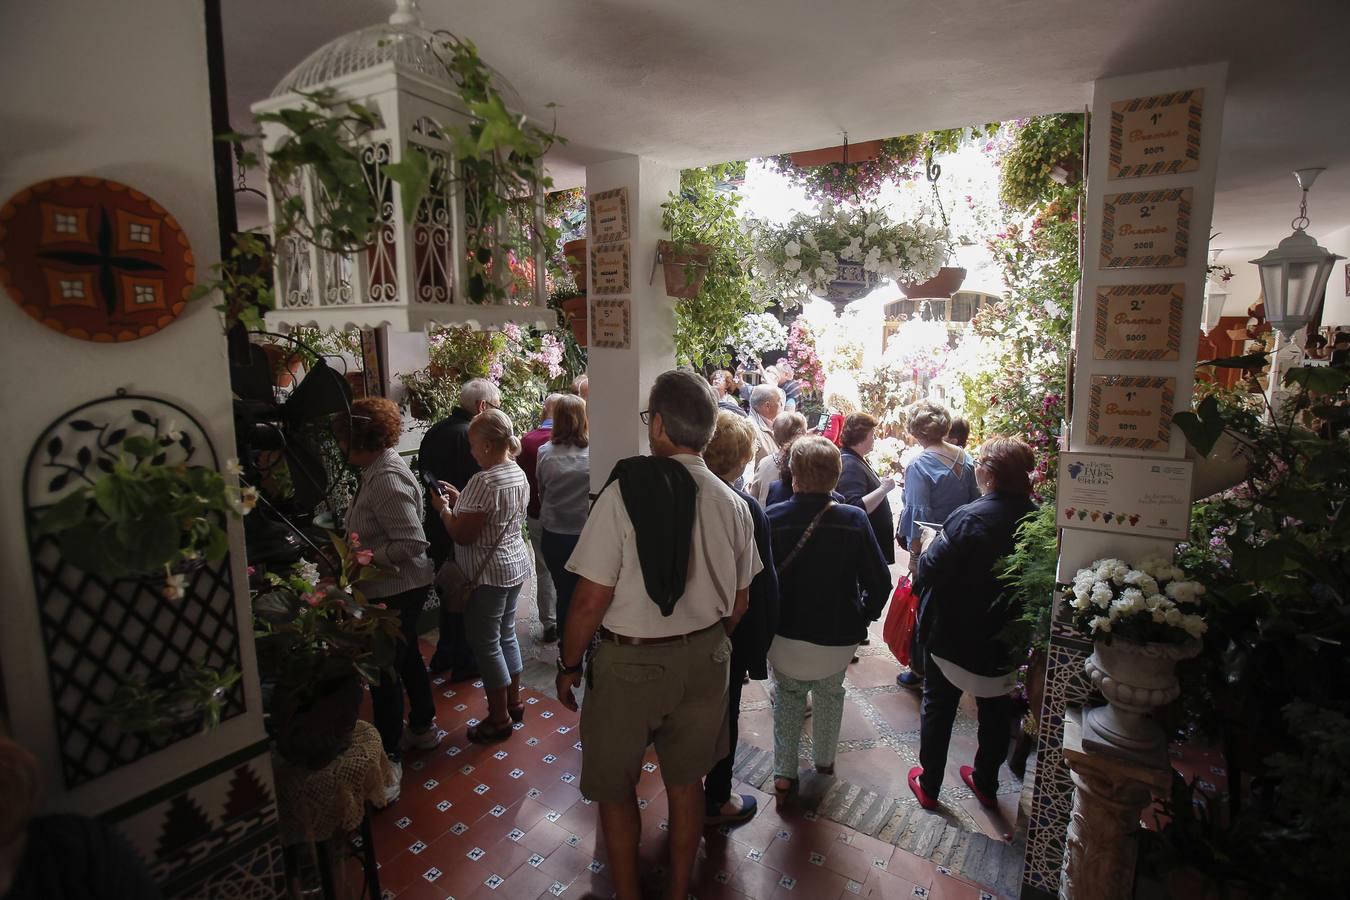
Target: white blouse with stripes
503 494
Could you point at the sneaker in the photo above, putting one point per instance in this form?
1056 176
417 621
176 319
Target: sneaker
394 786
909 680
422 740
743 809
925 800
550 635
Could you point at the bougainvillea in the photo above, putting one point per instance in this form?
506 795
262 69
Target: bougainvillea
803 356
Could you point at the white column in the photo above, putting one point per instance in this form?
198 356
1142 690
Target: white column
620 379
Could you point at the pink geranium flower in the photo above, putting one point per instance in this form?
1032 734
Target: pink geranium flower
365 557
354 539
314 598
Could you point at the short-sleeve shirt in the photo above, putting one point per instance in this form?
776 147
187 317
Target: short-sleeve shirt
722 559
503 494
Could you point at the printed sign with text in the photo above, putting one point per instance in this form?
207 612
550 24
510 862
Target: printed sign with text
1146 229
1139 321
1124 495
1157 135
1131 411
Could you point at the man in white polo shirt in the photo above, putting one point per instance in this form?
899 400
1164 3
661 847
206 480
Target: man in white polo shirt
665 560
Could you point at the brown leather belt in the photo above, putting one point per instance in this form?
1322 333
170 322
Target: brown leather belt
607 635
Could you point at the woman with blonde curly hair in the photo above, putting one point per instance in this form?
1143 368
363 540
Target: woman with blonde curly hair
485 521
385 517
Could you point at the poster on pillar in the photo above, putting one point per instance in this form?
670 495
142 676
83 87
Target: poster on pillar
1146 229
1158 135
609 216
1126 495
612 328
1131 411
1139 321
611 269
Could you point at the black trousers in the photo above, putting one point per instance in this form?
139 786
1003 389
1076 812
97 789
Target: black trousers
940 700
410 674
717 784
452 647
557 551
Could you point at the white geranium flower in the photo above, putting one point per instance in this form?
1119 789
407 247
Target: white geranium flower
792 248
232 467
1173 616
1102 595
175 587
248 498
1194 625
1141 580
792 265
1100 623
1081 601
810 240
1157 601
872 229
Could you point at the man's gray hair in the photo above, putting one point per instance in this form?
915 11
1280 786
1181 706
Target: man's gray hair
551 401
687 407
763 393
476 391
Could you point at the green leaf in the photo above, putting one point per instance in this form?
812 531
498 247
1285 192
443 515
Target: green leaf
70 510
1318 379
140 447
1202 428
413 175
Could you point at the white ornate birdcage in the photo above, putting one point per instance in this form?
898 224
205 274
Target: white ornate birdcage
413 272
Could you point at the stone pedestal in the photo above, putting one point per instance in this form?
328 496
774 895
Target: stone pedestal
1110 792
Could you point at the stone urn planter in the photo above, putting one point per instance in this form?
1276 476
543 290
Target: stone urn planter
574 308
852 282
946 282
685 269
1135 679
575 254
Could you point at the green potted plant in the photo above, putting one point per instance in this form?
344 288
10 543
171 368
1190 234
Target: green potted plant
571 302
136 514
319 640
701 218
194 696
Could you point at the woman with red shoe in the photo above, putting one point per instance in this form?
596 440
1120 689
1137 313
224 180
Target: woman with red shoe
964 612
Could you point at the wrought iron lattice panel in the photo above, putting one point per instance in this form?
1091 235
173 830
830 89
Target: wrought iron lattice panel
99 632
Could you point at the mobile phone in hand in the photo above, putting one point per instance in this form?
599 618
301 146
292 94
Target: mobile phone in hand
432 484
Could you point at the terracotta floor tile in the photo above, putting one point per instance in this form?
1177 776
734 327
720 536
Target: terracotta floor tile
848 861
399 868
524 882
813 883
900 709
912 868
420 890
566 863
755 880
945 887
544 837
885 886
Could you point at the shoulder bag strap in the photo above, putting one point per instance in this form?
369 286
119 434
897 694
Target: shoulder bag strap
806 536
482 567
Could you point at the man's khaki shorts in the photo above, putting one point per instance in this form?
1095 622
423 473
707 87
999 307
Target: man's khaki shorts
672 695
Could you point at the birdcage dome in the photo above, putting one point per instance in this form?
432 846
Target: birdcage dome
401 41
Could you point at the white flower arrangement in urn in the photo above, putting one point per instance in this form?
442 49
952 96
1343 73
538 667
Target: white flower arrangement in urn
1143 620
1148 603
802 257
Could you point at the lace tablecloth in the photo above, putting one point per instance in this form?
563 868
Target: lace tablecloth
316 806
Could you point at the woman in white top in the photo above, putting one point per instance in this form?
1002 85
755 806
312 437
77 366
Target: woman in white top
786 426
485 520
564 478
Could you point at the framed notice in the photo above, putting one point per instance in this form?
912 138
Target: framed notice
1139 321
1158 135
609 216
612 323
1124 495
1131 411
610 269
1146 229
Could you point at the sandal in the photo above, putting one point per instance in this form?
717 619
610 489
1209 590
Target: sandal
517 712
487 733
784 787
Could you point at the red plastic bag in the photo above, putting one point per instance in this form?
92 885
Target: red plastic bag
898 632
834 428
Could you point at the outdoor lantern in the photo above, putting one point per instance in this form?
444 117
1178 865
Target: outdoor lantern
413 273
1294 275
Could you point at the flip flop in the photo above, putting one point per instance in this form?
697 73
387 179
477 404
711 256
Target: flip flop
925 801
968 776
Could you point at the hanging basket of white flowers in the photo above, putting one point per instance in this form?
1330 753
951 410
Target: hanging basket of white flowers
1143 620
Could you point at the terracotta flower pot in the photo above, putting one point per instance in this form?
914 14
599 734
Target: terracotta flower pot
1135 679
862 152
575 310
575 254
946 282
684 272
285 366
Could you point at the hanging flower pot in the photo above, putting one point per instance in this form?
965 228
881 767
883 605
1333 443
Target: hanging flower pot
946 282
575 310
1136 679
852 282
575 254
684 267
284 366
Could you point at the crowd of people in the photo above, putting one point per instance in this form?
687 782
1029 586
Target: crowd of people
746 546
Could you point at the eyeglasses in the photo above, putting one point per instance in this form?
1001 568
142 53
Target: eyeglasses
645 416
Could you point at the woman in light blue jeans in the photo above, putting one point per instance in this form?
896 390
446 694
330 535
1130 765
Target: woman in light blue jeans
485 521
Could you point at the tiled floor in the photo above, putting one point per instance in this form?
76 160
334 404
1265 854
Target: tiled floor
507 821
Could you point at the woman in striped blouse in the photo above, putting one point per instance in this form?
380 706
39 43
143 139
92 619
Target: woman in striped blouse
485 520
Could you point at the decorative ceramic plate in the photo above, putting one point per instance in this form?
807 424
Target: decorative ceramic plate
94 259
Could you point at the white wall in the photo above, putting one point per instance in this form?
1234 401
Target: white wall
1337 309
116 90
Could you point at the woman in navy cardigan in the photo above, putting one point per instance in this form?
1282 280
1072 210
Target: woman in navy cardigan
964 611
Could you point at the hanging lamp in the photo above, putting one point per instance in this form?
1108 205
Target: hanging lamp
1294 274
